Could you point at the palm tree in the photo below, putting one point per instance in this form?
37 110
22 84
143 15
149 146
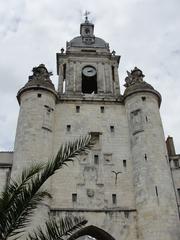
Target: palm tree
22 197
57 229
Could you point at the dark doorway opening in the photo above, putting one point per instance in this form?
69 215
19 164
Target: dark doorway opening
93 232
89 84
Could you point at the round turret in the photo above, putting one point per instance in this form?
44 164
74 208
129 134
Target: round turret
35 126
154 193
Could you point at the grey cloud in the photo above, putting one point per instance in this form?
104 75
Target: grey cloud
144 33
176 52
3 118
11 15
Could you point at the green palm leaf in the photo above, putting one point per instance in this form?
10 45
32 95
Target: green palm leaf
21 198
16 187
57 229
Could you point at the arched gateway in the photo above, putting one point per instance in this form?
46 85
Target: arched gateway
94 232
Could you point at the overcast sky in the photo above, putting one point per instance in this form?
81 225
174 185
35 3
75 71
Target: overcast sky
146 33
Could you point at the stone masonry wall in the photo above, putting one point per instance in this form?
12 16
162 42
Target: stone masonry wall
88 183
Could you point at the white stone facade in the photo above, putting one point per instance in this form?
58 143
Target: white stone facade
125 185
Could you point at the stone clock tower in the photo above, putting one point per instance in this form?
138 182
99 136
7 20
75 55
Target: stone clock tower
124 186
88 67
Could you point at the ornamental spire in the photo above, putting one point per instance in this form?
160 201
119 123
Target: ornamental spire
86 16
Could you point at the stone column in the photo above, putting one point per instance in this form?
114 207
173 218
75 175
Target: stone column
108 78
70 77
116 85
60 83
100 78
74 77
78 83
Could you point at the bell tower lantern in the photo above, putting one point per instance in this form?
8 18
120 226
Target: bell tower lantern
87 31
87 66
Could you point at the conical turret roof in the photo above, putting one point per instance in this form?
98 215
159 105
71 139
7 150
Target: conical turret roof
135 83
39 80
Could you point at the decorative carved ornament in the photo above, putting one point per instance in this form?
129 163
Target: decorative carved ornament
88 40
90 193
133 77
40 73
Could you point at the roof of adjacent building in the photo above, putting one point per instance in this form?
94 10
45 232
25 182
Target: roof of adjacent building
6 159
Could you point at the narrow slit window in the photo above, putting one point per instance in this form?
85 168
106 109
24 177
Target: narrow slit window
102 109
68 127
96 159
126 214
143 98
113 75
74 197
64 71
114 199
112 128
156 189
53 213
96 138
39 95
176 163
124 163
8 176
77 109
178 191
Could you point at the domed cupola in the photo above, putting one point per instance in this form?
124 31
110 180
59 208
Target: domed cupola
39 80
135 83
87 39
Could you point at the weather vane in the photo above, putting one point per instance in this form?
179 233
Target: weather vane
86 15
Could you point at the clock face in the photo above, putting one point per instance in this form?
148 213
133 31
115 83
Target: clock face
87 31
89 71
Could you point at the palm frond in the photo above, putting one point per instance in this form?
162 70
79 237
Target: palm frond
57 229
24 196
16 187
15 219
